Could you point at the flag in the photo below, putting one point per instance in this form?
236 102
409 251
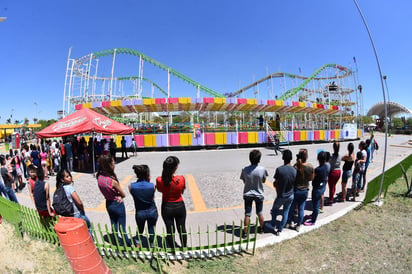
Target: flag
354 59
300 71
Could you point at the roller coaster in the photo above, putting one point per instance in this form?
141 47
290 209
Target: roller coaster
89 80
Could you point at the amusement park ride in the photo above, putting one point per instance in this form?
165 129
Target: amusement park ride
299 108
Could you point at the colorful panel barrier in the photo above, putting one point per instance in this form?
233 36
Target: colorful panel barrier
224 138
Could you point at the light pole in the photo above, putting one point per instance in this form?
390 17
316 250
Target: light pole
35 117
360 102
378 201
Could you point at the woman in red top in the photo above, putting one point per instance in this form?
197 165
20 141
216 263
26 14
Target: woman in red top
173 207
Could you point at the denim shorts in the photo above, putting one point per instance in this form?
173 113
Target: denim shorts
346 175
248 205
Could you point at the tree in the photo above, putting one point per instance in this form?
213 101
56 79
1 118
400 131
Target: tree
397 122
46 123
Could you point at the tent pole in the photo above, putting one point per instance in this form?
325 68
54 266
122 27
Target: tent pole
94 169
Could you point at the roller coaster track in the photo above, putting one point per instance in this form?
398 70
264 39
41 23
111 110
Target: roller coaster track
289 93
153 62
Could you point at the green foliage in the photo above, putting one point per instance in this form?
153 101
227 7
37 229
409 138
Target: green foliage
367 119
397 122
46 123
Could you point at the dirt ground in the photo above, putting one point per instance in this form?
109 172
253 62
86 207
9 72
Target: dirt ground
29 255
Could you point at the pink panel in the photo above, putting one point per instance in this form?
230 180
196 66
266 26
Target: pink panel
296 136
316 135
139 140
174 139
243 138
209 139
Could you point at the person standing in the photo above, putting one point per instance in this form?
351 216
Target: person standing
367 148
373 146
335 172
42 198
173 207
69 155
124 149
362 146
285 177
35 156
318 187
143 192
253 177
8 181
112 149
304 174
349 159
110 188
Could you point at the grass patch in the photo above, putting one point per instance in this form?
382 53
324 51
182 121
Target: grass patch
390 174
369 240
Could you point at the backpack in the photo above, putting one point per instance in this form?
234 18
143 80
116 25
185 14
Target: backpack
61 203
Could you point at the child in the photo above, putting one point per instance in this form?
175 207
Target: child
32 179
64 179
356 176
42 197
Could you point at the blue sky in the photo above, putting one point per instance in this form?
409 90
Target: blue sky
221 44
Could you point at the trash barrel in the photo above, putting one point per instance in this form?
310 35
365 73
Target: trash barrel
79 247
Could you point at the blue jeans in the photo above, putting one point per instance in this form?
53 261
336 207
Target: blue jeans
3 191
11 194
316 197
150 216
286 202
299 200
84 217
117 214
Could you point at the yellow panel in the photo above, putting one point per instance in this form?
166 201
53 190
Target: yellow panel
337 133
185 139
252 137
279 103
321 134
150 101
149 140
251 101
119 141
302 104
184 100
116 103
303 135
87 105
220 138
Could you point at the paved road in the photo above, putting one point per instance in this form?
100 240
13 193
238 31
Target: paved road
214 191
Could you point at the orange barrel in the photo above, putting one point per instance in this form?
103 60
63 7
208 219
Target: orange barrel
79 247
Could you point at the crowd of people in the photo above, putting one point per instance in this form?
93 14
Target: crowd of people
292 184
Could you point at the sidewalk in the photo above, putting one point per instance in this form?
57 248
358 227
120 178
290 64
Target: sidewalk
215 174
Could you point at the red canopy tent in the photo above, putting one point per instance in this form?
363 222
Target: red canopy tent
83 121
